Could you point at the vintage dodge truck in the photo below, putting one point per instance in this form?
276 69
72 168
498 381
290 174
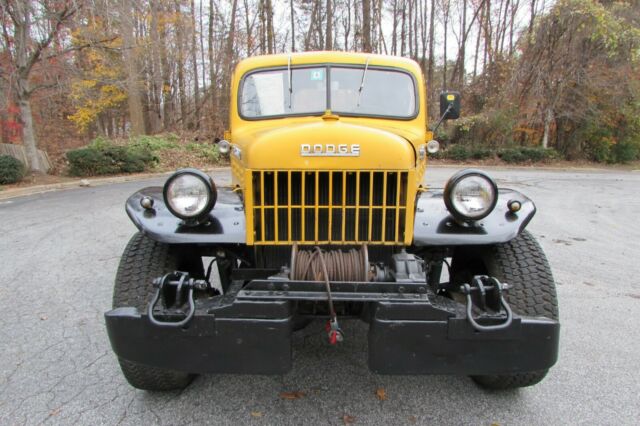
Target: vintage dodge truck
329 217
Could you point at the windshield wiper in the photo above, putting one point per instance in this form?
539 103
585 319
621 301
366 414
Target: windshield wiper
290 78
364 75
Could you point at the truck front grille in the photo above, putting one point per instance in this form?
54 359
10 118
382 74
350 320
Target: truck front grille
329 207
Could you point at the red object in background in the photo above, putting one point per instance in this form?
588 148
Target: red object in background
10 125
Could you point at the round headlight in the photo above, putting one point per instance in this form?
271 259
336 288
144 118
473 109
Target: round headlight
470 195
433 146
224 146
189 194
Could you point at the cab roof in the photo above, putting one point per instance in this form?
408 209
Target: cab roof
326 57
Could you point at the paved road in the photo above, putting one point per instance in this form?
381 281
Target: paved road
58 256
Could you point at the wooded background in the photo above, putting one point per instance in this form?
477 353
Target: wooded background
560 74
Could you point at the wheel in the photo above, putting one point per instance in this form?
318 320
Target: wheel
522 264
142 261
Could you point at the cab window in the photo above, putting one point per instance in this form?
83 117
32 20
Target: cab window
266 93
380 93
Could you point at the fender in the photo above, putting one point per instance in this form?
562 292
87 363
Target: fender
226 220
434 225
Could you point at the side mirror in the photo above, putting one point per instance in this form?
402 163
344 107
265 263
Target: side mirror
449 105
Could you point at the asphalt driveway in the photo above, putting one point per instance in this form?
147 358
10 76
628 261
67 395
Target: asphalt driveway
58 256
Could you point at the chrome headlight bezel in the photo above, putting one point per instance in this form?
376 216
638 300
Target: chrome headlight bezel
210 186
450 193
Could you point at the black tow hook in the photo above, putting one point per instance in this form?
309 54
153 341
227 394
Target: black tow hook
489 293
182 282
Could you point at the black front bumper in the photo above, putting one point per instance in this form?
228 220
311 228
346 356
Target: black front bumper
412 331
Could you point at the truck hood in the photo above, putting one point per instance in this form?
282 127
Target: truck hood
331 144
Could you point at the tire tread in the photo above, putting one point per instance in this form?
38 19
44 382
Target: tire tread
144 259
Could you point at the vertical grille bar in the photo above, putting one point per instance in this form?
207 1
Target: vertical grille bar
275 206
371 179
262 231
289 234
330 203
383 232
357 210
317 200
303 197
344 203
397 224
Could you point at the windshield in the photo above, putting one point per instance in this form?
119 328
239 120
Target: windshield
381 93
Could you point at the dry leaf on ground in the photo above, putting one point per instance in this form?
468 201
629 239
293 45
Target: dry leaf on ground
381 394
348 420
292 395
256 414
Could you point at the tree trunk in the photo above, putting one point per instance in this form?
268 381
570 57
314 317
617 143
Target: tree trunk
445 13
430 83
156 73
394 32
293 28
366 26
463 45
548 119
134 101
213 84
328 45
180 65
403 27
194 60
29 136
271 40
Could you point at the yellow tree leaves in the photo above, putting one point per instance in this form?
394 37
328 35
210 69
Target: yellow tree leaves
98 89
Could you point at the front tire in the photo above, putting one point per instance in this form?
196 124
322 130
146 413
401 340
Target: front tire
142 261
523 265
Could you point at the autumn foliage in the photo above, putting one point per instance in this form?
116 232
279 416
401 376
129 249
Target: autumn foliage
534 75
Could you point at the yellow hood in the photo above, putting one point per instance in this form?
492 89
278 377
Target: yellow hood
282 147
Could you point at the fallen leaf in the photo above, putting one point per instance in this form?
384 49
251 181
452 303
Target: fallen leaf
43 318
348 420
292 395
256 414
495 424
54 412
381 394
412 419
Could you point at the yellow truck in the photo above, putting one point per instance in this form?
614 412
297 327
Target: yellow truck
329 218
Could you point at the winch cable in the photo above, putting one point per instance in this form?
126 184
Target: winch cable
327 266
333 328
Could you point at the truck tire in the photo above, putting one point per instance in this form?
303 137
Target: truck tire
142 261
523 265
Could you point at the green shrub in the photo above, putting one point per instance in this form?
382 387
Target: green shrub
207 151
154 143
440 155
527 154
11 170
481 153
626 150
102 158
512 155
458 153
598 150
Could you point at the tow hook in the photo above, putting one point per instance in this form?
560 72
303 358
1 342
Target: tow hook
182 282
334 332
489 293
